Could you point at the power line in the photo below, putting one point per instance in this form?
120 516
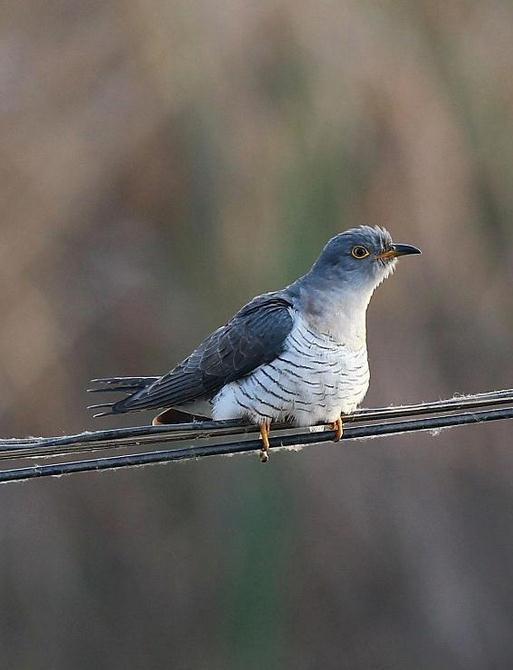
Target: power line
205 439
135 436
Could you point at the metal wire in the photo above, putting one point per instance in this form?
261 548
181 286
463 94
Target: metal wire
136 436
294 439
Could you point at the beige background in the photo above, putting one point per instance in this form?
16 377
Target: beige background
163 162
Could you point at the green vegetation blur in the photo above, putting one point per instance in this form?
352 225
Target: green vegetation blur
164 162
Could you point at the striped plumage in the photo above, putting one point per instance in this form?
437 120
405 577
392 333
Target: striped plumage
315 379
298 355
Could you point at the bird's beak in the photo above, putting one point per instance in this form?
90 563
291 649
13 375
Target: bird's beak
397 250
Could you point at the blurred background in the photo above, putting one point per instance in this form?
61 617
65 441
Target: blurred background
163 162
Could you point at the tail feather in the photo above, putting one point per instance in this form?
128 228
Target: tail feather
99 414
127 385
101 405
115 389
132 382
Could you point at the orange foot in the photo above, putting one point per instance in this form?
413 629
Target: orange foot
338 427
264 451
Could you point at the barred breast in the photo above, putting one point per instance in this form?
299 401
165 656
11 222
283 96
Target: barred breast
314 380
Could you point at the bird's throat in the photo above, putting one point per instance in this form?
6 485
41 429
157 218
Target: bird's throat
341 317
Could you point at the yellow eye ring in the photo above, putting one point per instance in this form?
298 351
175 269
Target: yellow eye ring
360 252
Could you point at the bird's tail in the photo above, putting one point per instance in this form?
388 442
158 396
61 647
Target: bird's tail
128 385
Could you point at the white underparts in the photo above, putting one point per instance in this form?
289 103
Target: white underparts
315 379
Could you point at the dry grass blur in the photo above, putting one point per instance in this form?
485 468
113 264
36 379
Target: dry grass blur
162 162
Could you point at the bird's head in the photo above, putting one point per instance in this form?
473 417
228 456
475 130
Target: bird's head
361 258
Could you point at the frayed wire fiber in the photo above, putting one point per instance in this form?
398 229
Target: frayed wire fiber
227 438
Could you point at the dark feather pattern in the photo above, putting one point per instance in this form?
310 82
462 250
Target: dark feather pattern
253 337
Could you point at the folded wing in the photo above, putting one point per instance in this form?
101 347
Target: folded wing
253 337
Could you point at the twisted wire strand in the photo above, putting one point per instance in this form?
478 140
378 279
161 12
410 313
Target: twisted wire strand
207 440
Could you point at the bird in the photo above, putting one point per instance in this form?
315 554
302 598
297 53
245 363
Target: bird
296 355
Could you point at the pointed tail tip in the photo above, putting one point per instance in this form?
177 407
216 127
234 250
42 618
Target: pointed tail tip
101 405
109 380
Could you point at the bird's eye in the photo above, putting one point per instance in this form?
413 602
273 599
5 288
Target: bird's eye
360 252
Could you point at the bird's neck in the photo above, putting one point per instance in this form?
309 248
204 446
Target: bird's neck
338 311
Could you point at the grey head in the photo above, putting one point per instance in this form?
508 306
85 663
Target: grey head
359 259
340 284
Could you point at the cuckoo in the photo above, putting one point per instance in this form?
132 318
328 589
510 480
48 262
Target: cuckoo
298 355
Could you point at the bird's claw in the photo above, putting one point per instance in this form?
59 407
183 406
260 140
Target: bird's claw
338 427
264 433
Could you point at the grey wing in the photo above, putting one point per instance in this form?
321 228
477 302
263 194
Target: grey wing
254 336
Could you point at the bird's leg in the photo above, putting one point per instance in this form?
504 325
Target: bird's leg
264 433
338 427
